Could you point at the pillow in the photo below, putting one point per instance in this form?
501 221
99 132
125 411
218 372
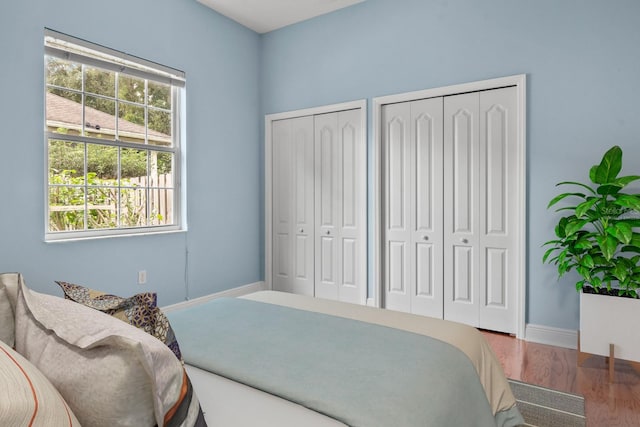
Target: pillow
8 294
27 397
110 373
140 310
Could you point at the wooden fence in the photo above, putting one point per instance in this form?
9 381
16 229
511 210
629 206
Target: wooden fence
133 202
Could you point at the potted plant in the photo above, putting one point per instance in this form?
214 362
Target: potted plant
599 238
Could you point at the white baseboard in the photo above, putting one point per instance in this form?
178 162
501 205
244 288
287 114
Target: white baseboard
566 338
234 292
371 302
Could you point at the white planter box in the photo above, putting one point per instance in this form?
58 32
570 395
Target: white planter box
606 320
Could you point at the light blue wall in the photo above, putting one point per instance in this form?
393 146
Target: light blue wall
220 59
581 60
583 73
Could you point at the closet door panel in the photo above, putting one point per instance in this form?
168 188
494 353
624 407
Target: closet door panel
396 147
304 215
283 271
327 193
426 207
351 175
292 145
498 209
461 187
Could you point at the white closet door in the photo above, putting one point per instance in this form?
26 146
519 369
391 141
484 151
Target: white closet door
327 197
498 209
426 207
462 220
340 194
293 209
352 175
396 147
412 143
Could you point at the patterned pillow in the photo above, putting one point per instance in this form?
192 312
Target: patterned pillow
110 373
140 310
27 397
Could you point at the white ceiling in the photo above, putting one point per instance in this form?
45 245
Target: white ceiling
263 16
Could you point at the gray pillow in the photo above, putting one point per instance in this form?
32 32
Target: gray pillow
8 295
109 372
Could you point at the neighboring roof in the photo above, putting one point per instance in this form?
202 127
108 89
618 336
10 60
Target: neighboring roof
63 112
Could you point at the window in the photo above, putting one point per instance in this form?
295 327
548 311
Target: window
112 131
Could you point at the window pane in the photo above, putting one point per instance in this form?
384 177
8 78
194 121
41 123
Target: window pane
131 89
133 207
159 95
102 167
66 208
159 127
161 205
100 82
102 207
110 150
63 73
131 123
133 166
66 162
99 117
161 169
64 111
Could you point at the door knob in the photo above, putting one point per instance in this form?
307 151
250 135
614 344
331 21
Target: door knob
464 240
425 238
328 232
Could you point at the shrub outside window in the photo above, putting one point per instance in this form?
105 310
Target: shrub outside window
112 128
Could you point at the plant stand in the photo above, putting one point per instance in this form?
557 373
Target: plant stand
608 328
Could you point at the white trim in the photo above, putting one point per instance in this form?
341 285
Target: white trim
322 109
566 338
371 302
516 80
229 293
268 173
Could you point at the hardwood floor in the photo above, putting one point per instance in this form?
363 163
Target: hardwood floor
606 405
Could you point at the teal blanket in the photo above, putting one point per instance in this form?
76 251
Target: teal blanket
355 372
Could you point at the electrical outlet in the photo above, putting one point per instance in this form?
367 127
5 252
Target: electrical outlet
142 277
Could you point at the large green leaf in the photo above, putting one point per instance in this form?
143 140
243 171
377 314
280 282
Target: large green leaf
623 181
609 189
608 245
620 271
573 226
621 231
583 207
634 249
547 253
563 196
591 190
610 166
587 261
628 201
635 223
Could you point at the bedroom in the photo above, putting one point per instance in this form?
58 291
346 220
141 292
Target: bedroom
579 57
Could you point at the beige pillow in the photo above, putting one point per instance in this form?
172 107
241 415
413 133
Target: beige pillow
8 293
110 373
27 398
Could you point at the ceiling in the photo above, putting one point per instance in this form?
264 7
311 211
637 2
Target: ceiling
263 16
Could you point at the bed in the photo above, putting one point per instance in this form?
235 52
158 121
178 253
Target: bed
279 359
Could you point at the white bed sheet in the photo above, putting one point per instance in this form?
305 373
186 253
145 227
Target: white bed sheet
226 403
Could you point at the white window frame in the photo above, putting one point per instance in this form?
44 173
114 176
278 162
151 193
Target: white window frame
83 52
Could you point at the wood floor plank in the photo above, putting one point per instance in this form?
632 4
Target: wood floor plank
606 404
